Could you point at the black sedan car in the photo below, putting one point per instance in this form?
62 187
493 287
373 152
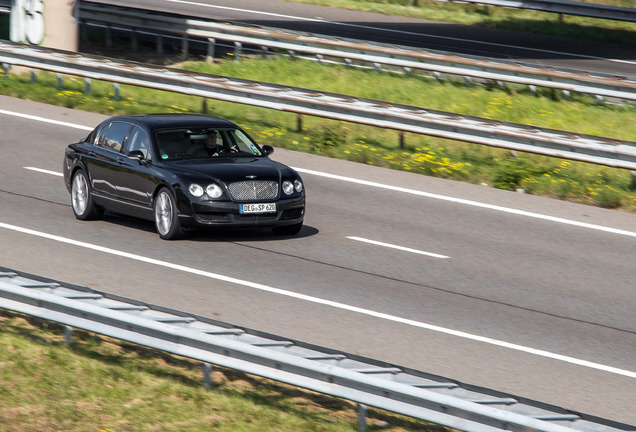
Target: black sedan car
183 171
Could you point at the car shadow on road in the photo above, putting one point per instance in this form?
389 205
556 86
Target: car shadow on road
211 235
246 234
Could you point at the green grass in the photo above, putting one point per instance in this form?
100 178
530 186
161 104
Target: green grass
498 17
578 182
99 384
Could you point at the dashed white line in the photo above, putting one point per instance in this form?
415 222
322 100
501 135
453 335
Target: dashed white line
392 246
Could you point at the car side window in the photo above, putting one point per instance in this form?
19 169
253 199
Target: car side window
113 137
140 141
100 135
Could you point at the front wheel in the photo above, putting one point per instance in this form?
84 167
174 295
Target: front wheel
82 200
166 219
288 229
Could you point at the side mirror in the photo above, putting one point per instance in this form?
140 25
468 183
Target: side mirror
268 149
136 154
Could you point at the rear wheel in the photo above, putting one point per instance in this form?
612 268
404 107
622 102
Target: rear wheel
166 219
288 229
81 198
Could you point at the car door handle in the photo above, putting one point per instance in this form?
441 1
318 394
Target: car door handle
120 161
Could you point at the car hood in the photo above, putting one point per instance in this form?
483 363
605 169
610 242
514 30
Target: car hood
230 169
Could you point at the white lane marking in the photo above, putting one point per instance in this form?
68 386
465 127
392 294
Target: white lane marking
318 19
317 300
44 171
402 248
46 120
452 199
469 202
395 188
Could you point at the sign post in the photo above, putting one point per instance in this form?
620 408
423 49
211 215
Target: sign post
51 23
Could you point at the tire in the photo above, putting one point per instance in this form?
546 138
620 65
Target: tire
82 198
166 219
288 229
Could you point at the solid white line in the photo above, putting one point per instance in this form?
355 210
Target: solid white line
450 199
44 171
46 120
395 188
402 248
317 300
469 202
276 15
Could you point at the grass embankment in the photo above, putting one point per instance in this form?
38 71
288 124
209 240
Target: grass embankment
499 17
100 384
578 182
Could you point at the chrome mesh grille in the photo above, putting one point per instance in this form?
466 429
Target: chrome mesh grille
253 190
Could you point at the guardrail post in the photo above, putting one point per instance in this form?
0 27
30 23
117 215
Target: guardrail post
599 100
264 51
299 123
116 91
238 51
185 44
87 85
211 47
60 81
108 34
134 41
159 45
204 106
6 67
632 185
362 418
34 76
68 335
402 140
207 375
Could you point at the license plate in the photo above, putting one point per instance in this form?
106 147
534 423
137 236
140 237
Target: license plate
258 208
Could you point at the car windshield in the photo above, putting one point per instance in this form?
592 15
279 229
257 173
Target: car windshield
189 143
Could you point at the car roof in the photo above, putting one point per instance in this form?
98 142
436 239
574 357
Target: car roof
170 120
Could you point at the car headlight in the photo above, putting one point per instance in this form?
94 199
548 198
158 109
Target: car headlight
214 190
298 185
288 187
195 190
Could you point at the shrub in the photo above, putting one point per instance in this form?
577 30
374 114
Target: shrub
511 172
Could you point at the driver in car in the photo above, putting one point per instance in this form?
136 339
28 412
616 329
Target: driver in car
213 147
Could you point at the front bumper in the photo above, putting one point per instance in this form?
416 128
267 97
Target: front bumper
217 214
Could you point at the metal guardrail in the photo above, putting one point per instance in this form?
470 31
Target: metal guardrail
565 7
366 381
354 52
512 136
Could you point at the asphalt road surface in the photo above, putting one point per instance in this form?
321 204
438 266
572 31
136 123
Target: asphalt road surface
470 40
523 294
